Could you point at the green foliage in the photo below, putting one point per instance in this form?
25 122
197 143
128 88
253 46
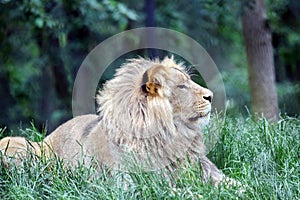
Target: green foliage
2 130
33 133
289 98
43 44
264 154
238 94
237 90
263 157
284 19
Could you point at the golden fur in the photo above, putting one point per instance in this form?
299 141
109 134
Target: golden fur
15 149
150 110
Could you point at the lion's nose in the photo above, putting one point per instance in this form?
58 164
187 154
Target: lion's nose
208 96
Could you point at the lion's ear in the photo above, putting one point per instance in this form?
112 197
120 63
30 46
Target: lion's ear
152 80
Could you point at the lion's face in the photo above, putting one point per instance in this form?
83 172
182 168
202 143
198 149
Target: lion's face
191 103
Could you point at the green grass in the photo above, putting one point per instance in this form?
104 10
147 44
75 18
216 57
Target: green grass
264 157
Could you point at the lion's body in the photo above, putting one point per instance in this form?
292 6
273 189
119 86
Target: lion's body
16 148
150 109
80 139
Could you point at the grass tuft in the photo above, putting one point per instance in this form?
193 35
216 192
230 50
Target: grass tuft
264 157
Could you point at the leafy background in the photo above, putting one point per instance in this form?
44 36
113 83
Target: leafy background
43 43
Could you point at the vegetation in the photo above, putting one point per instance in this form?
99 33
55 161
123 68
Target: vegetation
263 157
43 43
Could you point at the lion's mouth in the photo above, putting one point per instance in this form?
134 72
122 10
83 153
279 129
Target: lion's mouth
199 115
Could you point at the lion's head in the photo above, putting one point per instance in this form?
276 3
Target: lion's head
153 106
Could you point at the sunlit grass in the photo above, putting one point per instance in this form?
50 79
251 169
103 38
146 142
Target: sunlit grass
263 157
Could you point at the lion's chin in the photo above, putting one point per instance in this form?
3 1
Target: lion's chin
199 116
201 119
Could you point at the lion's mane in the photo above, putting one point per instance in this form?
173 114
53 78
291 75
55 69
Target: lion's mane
143 125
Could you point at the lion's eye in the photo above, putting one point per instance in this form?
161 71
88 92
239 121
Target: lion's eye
181 86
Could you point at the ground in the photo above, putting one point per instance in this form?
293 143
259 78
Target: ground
264 157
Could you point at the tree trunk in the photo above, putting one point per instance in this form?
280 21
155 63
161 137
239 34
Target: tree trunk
150 22
259 51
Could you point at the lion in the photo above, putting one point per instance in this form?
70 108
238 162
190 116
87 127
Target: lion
150 111
15 149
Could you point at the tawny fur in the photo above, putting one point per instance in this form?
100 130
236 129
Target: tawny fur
151 110
15 149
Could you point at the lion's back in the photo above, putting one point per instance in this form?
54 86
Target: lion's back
77 138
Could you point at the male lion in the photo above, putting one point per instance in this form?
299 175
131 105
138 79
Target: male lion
151 110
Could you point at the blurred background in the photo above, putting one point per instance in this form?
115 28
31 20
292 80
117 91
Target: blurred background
43 43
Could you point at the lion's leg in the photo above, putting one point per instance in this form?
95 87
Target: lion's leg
12 150
15 149
211 172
